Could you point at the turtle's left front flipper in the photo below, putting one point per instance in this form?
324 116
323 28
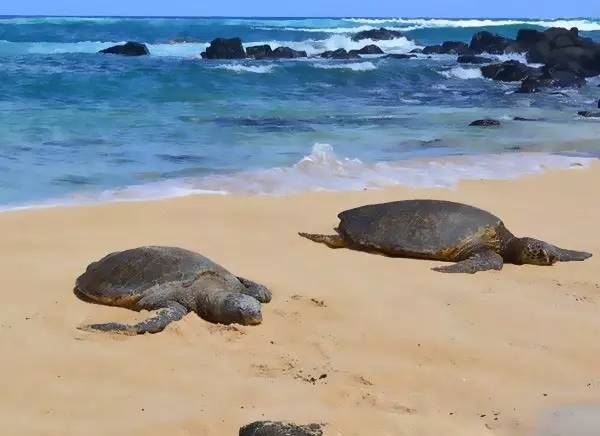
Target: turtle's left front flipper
564 255
173 312
256 290
481 261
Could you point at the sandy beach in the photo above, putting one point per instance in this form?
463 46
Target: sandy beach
367 344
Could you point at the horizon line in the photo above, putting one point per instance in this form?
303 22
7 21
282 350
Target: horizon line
305 17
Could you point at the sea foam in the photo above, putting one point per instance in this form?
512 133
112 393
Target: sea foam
323 170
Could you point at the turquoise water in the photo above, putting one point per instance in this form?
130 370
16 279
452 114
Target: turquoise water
78 126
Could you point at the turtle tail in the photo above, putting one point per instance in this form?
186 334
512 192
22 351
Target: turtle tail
332 241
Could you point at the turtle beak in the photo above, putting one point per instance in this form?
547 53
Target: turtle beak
250 317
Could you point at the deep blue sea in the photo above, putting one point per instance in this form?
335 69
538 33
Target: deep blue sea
77 126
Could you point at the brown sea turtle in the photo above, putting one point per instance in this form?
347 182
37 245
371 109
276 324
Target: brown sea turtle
270 428
440 230
175 282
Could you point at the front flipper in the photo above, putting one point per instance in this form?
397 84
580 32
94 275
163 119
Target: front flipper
564 255
173 312
256 290
480 261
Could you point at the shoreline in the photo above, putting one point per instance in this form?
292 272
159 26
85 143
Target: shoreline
404 349
412 173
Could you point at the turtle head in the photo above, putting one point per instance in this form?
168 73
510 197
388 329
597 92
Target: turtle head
241 309
536 252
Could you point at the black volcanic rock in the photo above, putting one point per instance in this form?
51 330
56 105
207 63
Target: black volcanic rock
448 47
377 34
259 51
550 77
269 428
288 53
400 56
128 49
487 122
340 53
222 48
416 50
490 43
367 50
589 114
508 71
473 59
265 52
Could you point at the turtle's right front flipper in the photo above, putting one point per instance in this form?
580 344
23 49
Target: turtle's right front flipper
173 312
481 261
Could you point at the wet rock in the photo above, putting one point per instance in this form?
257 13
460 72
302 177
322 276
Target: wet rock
490 43
377 34
128 49
401 56
340 53
448 47
486 122
416 50
265 52
288 53
270 428
589 114
367 50
222 48
473 59
259 51
509 71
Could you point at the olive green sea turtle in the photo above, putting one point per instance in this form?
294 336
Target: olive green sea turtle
440 230
175 282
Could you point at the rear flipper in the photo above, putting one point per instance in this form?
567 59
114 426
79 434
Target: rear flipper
480 261
571 255
174 312
332 241
256 290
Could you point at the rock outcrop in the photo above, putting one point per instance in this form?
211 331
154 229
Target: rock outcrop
128 49
222 48
377 34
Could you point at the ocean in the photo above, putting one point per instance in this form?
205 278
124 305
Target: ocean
80 127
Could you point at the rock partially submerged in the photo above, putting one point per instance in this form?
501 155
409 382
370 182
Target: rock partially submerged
486 122
508 71
265 52
448 47
549 77
340 53
222 48
371 49
270 428
473 59
128 49
589 114
400 56
380 34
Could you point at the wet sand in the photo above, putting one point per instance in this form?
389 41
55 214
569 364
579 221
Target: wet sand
368 344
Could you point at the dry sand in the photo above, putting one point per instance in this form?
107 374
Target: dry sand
405 350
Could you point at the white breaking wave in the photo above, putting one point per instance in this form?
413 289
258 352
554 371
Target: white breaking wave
421 23
354 29
191 49
19 48
354 66
323 170
462 73
239 68
313 47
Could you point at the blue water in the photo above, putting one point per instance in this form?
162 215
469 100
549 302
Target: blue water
77 126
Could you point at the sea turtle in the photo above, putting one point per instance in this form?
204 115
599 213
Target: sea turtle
174 281
270 428
440 230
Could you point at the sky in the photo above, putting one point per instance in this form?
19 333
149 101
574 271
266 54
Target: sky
309 8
